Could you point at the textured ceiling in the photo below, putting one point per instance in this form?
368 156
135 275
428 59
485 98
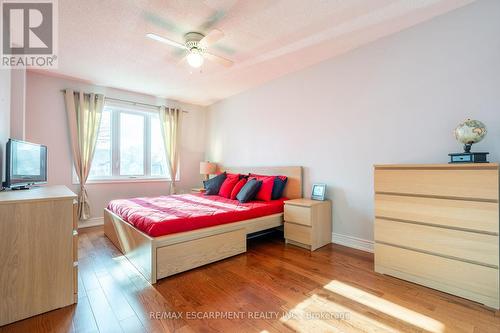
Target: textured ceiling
103 41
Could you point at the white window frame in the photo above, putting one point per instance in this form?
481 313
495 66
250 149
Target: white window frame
115 177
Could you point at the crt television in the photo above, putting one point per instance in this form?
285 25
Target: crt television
26 164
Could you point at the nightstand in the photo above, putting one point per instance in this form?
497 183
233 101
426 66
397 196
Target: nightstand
198 190
308 223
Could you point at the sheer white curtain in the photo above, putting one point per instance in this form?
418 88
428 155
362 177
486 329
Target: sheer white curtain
84 118
171 125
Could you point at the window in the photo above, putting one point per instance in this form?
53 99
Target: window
129 146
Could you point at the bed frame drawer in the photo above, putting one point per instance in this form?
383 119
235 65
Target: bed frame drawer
180 257
462 245
476 282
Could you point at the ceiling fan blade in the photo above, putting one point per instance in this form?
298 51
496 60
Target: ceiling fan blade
213 19
212 37
166 41
219 60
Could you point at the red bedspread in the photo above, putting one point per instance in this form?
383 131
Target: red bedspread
177 213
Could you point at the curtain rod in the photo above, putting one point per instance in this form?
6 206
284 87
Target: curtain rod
129 102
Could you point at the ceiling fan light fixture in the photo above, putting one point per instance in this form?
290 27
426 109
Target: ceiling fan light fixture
196 45
195 58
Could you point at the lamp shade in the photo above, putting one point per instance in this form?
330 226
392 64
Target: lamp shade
207 168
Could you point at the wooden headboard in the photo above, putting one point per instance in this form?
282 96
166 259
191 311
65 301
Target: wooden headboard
293 189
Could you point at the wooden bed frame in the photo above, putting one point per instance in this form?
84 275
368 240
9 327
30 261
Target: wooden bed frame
159 257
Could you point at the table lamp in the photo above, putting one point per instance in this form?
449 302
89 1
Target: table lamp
207 168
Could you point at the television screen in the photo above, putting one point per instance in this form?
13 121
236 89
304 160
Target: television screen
26 163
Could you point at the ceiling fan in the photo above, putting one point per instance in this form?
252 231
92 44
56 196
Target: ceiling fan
196 45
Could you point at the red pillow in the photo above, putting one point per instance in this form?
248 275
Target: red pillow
237 188
228 185
266 190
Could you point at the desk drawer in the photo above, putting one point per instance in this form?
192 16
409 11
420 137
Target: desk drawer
462 245
298 233
298 214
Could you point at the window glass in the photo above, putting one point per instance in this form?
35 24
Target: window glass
131 144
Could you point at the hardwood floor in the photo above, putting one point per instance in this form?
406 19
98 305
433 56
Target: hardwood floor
271 288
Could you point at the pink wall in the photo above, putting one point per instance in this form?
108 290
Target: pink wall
46 123
18 103
5 76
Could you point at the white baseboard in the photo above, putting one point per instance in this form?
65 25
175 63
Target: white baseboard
93 222
354 242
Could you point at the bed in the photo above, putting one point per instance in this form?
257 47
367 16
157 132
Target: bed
159 250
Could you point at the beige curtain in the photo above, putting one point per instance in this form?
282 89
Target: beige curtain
171 124
84 118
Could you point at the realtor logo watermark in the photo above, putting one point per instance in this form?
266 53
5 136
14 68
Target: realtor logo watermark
29 34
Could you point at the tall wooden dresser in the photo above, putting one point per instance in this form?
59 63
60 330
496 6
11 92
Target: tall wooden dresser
38 252
437 225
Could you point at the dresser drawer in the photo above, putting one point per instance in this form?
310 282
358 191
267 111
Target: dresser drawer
298 233
476 282
75 245
298 214
459 244
75 282
474 183
75 214
471 215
